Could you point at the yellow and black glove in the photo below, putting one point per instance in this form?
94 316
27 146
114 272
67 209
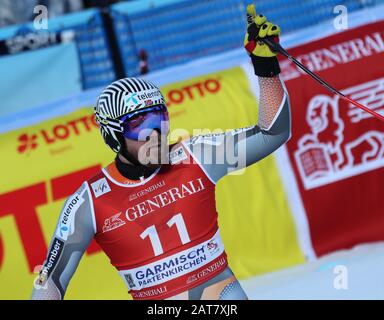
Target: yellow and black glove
264 60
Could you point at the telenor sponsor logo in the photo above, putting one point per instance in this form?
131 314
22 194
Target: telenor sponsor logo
138 100
67 219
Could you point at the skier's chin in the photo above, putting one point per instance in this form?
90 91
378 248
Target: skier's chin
155 156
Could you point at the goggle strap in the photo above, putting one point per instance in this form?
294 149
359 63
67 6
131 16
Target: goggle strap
144 110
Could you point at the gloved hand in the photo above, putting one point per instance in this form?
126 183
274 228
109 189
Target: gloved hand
264 60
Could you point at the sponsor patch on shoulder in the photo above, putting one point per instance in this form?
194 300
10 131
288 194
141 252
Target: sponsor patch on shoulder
50 264
66 226
177 155
100 187
214 139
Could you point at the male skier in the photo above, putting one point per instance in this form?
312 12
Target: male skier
157 221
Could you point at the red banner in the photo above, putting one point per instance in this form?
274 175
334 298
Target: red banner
336 149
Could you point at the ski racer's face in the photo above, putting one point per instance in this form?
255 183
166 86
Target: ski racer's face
139 124
145 133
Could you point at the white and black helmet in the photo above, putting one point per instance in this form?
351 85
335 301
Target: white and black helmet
120 98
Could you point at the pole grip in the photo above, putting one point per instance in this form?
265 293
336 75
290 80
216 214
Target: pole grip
275 47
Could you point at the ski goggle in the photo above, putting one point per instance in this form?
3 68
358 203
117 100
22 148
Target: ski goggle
140 124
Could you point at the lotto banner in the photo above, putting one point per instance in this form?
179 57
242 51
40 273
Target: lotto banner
337 150
43 164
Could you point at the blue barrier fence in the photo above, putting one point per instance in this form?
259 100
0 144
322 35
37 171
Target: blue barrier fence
174 32
89 35
177 32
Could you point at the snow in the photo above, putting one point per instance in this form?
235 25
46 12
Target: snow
362 277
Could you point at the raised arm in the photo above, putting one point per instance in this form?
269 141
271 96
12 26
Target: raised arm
234 150
74 231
